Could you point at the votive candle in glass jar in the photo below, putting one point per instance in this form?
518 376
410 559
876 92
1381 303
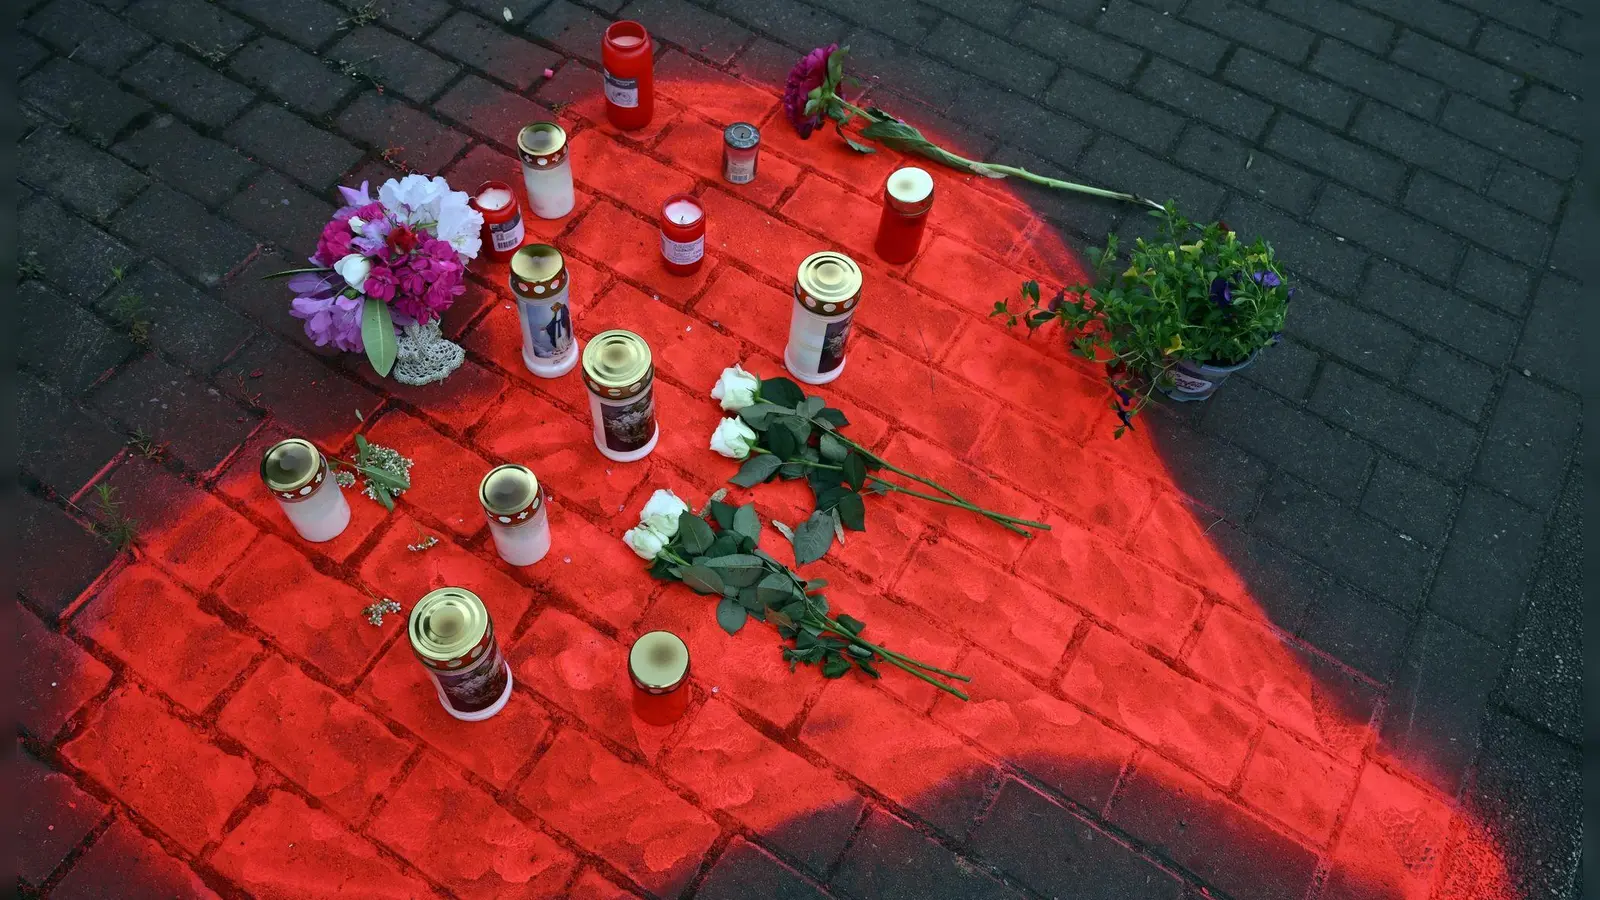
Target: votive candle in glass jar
627 62
683 234
827 289
907 200
302 482
546 169
518 520
540 282
741 144
620 377
453 637
502 219
658 665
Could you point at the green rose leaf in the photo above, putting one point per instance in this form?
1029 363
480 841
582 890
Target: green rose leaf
737 570
377 333
746 522
859 147
858 652
811 406
868 668
835 666
781 442
832 449
726 543
776 590
855 471
832 416
756 469
756 414
852 512
703 580
730 615
850 623
385 478
813 538
721 513
782 392
695 535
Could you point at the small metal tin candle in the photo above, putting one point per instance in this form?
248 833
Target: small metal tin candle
452 636
518 519
827 289
620 377
300 479
540 282
741 145
502 219
546 169
658 664
907 200
683 234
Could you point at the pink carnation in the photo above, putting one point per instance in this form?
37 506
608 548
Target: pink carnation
806 76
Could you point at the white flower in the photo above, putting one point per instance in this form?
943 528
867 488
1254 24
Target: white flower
733 438
736 388
356 224
419 201
353 268
661 511
643 541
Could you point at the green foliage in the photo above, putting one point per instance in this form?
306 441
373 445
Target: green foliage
377 333
116 528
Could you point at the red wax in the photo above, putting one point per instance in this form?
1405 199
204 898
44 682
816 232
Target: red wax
907 200
502 219
683 234
660 709
625 55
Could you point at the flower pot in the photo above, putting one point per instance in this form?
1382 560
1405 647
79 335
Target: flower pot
1192 380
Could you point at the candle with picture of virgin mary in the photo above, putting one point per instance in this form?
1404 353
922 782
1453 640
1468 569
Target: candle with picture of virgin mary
540 281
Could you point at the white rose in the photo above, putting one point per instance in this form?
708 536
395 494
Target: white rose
353 268
356 224
733 438
644 542
660 513
736 388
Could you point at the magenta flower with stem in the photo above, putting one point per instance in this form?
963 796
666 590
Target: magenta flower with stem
812 95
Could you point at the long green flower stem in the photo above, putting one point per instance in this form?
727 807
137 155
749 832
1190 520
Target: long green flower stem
1014 171
999 517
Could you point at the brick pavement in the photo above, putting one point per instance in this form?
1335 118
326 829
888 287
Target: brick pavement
1315 638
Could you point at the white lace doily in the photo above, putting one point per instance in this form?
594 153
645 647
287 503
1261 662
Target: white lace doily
423 355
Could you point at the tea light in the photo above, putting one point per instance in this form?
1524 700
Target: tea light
683 234
518 520
300 479
502 219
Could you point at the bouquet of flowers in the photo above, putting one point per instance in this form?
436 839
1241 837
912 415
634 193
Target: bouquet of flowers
384 264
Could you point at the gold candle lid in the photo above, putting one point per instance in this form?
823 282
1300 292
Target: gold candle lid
292 468
542 144
828 283
510 494
449 628
616 363
909 190
538 272
658 662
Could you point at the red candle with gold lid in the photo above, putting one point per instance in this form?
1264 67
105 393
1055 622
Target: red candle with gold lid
907 200
627 61
658 665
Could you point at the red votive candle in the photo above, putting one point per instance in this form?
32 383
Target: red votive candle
658 665
907 199
683 234
502 219
627 60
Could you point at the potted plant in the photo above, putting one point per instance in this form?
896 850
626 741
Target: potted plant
1191 307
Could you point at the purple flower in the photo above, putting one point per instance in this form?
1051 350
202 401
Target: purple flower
1221 293
1289 296
807 75
1126 416
332 320
1265 278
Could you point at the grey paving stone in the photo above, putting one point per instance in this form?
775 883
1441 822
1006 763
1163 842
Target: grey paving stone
1284 585
1487 565
1020 122
1530 438
520 10
1533 16
800 25
1345 542
414 18
1109 109
1517 51
75 256
422 144
195 329
191 22
293 146
1336 157
1554 109
993 15
1351 333
1508 136
1571 248
1307 95
75 95
1550 344
768 62
1435 710
1395 421
1452 381
889 860
1223 478
308 23
1466 73
507 57
1445 21
393 62
903 21
692 28
299 79
61 557
1204 98
188 87
301 392
1059 38
1414 502
1377 79
1394 234
578 32
912 73
1280 433
1115 162
1088 216
1466 213
278 210
208 170
1494 280
1545 681
1161 34
1525 190
1286 369
1307 252
743 870
1340 20
64 343
491 112
989 57
26 54
1358 631
177 229
200 425
1234 162
1440 314
89 180
88 34
1252 27
265 301
1422 144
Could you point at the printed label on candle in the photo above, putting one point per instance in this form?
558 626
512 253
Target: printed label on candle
629 426
476 686
741 171
622 91
507 235
680 253
833 341
546 328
